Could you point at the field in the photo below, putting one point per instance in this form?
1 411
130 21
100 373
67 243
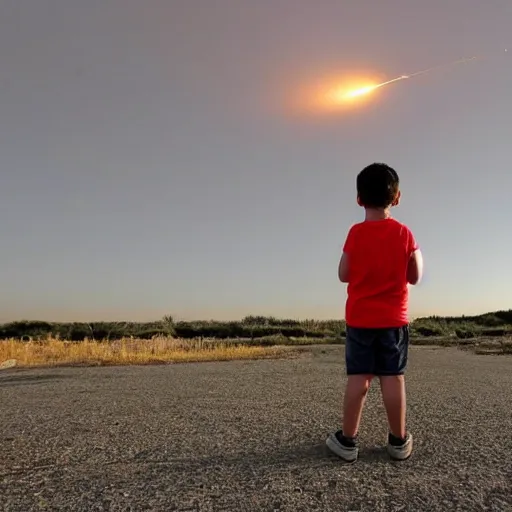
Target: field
51 352
159 350
37 343
249 436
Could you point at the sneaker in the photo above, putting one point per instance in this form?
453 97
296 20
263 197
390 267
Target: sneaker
344 447
399 449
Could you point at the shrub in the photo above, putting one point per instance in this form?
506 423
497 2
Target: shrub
31 328
464 334
428 331
494 332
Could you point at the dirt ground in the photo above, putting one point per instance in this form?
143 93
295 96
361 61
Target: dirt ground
250 436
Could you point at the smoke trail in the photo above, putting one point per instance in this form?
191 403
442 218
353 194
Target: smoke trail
440 66
371 88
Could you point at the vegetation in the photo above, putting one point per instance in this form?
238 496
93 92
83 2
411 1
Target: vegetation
38 343
126 351
497 346
256 330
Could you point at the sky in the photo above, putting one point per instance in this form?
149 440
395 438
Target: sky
154 161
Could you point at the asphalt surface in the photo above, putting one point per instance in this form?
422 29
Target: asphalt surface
250 436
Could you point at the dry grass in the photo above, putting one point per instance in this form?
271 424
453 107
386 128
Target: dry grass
128 351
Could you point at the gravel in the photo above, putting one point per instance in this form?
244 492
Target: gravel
250 436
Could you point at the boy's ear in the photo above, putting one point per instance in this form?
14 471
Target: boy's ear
396 202
359 201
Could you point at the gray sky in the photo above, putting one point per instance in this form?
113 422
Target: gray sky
151 165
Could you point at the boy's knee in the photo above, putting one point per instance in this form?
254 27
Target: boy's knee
361 382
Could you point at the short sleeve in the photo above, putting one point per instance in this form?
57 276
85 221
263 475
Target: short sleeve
412 244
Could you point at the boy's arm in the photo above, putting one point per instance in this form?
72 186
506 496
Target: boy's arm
343 268
415 267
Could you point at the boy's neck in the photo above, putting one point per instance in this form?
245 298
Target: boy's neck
373 214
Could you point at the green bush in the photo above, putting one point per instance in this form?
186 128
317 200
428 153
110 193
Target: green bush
77 332
151 333
427 331
29 328
464 334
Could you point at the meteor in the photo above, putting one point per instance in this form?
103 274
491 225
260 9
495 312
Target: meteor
332 94
370 88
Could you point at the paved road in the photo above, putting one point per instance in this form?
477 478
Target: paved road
249 436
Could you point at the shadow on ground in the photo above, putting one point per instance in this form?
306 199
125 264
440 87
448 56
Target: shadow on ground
25 379
305 455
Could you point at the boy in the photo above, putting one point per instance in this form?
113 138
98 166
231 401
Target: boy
380 259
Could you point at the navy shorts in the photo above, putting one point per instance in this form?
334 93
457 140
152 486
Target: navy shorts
376 351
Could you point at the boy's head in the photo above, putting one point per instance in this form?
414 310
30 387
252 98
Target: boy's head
378 187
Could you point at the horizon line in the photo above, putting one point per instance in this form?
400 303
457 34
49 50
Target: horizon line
238 319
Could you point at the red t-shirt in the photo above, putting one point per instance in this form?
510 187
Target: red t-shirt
378 293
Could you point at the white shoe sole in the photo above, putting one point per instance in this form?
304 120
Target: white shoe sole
401 452
347 454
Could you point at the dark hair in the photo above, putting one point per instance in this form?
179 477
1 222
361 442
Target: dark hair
377 186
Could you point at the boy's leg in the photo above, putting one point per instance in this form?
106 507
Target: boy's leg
391 362
353 403
393 396
359 365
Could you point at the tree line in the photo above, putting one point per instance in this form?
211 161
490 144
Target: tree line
497 323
